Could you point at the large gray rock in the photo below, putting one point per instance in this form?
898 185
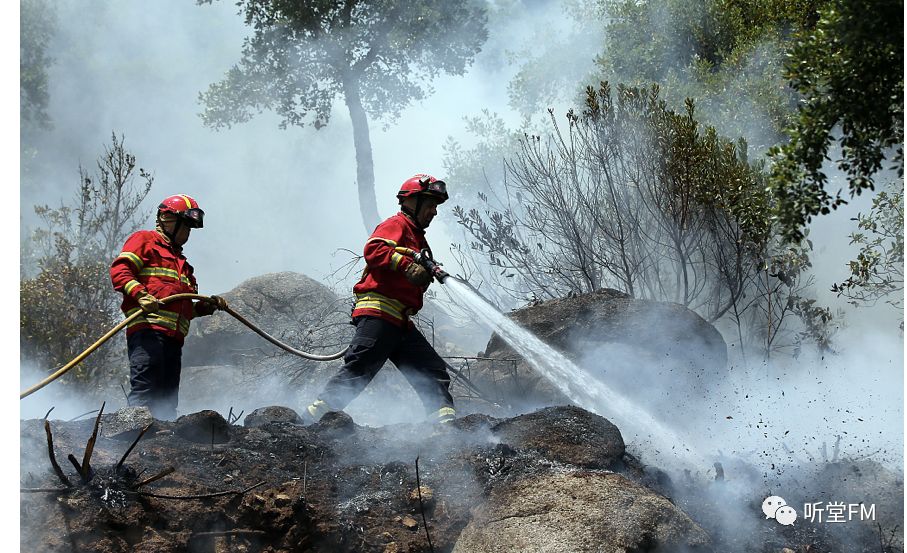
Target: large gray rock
290 306
203 427
565 434
647 350
274 413
125 423
579 512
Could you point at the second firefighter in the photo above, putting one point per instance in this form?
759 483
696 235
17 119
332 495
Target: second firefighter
387 296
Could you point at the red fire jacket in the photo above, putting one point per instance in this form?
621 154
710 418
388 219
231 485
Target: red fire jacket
383 290
149 262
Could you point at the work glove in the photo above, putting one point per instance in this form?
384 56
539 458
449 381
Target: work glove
417 274
148 303
205 308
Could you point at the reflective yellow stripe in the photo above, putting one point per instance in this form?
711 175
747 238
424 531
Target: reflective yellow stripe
164 272
445 414
371 300
136 260
167 314
396 258
379 307
379 239
157 319
130 286
186 199
159 271
317 409
164 318
375 296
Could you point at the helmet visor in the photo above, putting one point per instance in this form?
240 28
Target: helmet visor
194 217
437 187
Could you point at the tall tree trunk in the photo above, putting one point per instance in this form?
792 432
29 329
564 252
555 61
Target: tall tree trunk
365 168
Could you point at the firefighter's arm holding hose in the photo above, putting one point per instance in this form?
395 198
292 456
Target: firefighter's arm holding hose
383 253
124 273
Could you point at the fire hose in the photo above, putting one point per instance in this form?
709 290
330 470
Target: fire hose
125 322
110 333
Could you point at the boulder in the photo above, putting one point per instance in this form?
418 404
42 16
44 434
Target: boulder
646 349
290 306
565 434
267 415
579 512
126 423
204 427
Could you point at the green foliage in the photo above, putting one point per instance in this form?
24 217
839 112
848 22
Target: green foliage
70 302
878 270
633 195
36 28
850 71
726 54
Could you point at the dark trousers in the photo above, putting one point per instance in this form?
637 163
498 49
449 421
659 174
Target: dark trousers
155 361
376 341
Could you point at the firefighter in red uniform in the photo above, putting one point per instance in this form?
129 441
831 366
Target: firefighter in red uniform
150 268
388 294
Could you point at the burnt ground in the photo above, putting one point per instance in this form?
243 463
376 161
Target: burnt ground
332 486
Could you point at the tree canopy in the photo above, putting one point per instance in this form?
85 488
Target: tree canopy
849 71
377 55
727 55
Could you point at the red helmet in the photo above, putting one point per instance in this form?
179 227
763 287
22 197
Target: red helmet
184 207
425 185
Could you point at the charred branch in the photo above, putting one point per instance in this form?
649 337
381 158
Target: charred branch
44 490
78 467
89 449
201 496
238 532
422 507
53 458
82 415
158 476
131 447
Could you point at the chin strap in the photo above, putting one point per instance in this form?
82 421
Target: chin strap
169 236
411 213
